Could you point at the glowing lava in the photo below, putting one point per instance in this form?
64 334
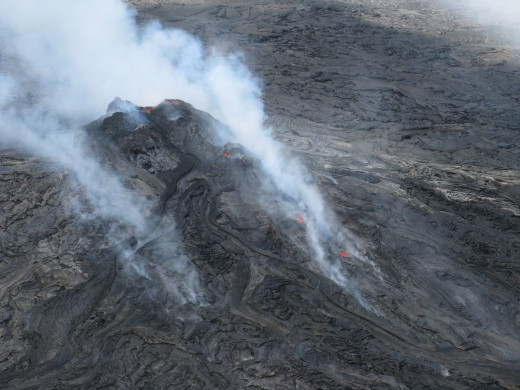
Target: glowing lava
300 220
343 254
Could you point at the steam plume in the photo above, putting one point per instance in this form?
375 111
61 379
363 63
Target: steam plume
70 58
502 15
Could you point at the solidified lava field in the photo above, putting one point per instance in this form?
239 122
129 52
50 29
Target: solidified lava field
406 116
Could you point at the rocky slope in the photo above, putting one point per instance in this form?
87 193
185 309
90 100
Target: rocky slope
407 118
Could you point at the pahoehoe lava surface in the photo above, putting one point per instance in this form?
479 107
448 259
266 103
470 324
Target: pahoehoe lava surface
408 120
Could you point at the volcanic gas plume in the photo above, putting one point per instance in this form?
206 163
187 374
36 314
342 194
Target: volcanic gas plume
84 66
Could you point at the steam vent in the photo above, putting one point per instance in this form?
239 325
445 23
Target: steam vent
198 268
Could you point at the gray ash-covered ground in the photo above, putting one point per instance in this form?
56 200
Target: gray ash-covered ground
407 118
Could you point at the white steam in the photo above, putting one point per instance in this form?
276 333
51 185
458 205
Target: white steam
71 58
502 15
41 132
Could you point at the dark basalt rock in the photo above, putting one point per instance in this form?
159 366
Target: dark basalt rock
410 128
75 315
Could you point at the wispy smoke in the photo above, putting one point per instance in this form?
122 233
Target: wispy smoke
64 61
502 15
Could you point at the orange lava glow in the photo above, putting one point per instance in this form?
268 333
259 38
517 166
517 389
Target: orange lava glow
299 220
173 101
343 254
225 154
